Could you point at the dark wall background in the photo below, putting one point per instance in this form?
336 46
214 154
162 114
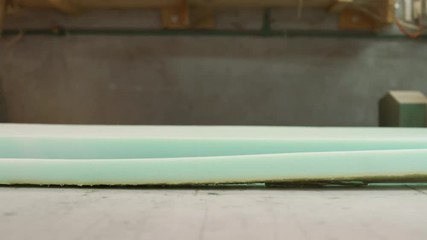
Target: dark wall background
202 80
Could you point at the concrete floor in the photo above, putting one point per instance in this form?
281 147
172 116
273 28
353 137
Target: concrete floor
44 213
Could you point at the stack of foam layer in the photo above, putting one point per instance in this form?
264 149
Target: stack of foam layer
143 155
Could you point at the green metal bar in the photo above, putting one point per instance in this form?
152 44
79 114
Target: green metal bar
266 23
265 32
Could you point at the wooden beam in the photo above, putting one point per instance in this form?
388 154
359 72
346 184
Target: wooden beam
351 19
389 10
176 17
169 3
263 3
65 6
340 5
366 15
181 17
173 16
202 18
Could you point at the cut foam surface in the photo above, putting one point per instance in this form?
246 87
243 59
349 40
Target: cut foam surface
141 155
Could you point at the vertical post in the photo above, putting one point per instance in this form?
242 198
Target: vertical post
266 22
2 15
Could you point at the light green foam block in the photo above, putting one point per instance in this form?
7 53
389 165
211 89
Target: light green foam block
133 155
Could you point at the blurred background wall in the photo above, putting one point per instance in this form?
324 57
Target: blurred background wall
310 81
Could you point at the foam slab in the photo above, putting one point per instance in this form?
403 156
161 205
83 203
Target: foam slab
150 155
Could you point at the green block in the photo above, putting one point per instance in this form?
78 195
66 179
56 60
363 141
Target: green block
403 109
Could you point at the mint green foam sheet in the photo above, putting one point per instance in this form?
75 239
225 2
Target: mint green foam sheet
150 155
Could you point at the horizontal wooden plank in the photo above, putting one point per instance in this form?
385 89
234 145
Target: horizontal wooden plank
166 3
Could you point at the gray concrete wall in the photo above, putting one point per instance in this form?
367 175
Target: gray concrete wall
203 80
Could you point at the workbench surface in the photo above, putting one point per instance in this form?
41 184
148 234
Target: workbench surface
237 213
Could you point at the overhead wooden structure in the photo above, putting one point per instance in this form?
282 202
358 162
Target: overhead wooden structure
359 14
195 3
